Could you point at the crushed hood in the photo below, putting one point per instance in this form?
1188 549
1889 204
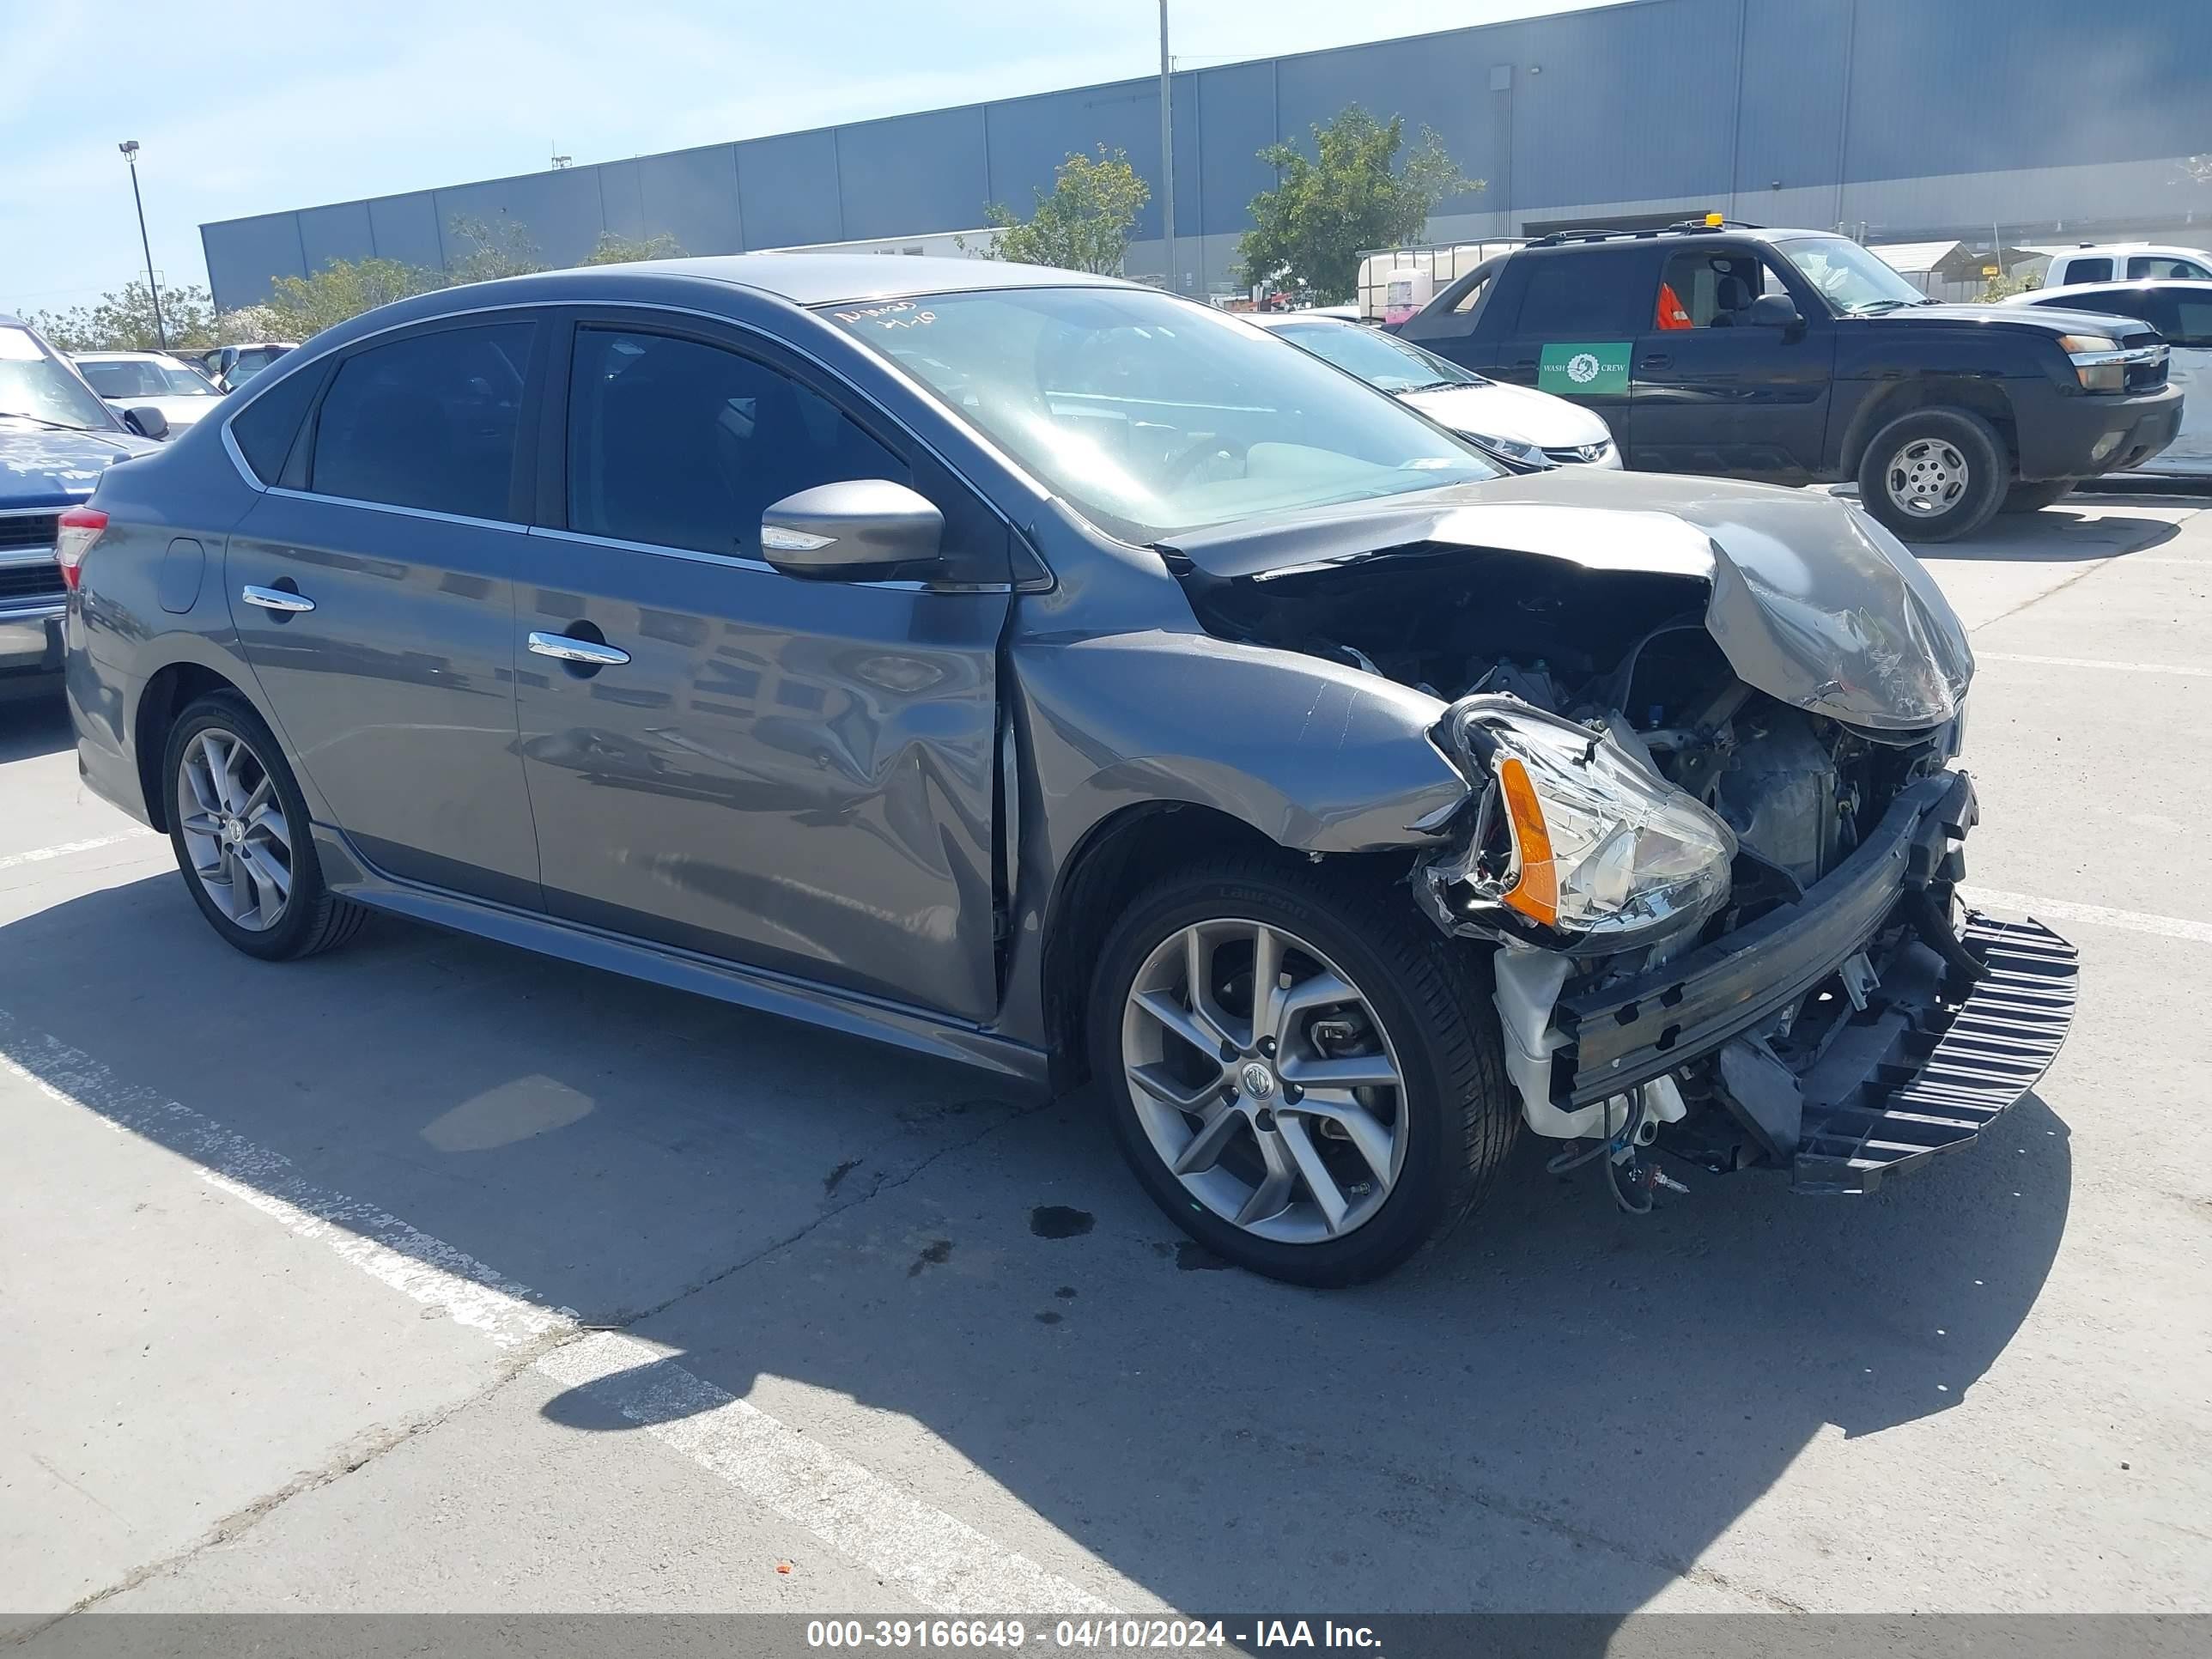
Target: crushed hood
1812 601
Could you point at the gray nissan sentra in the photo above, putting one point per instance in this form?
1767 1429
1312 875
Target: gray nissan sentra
1054 675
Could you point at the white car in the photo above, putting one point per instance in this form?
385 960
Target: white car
2181 312
2127 262
134 380
1522 429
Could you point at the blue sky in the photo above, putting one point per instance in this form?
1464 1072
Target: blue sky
243 106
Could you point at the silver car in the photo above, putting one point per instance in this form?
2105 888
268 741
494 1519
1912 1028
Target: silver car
127 381
1521 428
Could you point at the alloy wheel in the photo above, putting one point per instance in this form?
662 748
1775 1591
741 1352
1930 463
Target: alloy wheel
1265 1081
1927 477
234 832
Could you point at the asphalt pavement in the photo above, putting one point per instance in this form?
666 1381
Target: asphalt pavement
432 1276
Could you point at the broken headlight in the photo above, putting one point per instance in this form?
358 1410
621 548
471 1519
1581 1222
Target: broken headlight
1578 837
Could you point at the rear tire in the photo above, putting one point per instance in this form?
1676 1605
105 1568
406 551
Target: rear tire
238 826
1399 1162
2034 497
1934 474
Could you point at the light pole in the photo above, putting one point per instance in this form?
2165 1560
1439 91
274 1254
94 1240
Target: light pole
1167 156
130 149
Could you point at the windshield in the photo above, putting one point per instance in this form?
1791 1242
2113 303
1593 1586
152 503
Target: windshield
1851 279
40 387
1152 415
128 378
1381 360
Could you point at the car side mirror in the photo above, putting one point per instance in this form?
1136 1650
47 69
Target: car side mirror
146 421
860 530
1774 311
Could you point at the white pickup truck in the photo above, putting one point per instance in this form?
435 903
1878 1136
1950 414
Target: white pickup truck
2127 262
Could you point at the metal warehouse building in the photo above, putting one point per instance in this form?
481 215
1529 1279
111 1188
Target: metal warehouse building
1894 120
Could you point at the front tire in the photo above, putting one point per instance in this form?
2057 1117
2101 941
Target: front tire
238 826
1934 474
1363 1111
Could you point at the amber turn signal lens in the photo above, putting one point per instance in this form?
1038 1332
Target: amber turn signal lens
1536 894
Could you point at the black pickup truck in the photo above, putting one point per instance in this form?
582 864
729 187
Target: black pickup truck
1799 357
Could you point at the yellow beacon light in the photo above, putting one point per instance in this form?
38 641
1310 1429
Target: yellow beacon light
1714 220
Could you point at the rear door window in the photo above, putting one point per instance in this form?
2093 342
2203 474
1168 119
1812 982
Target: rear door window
1589 293
264 428
428 422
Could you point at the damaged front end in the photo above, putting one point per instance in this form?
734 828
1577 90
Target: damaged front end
1713 830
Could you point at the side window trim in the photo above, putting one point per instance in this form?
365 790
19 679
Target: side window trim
299 468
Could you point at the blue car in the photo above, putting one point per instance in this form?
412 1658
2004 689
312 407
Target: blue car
56 437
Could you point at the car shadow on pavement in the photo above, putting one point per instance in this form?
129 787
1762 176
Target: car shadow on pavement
34 718
2065 534
1558 1408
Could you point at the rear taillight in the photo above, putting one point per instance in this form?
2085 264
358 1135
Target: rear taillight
81 526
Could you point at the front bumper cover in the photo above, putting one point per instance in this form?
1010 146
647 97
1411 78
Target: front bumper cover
1923 1057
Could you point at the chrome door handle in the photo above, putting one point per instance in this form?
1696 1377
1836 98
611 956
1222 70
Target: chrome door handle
569 648
276 599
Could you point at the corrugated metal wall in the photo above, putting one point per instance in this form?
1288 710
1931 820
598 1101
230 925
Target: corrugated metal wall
1916 116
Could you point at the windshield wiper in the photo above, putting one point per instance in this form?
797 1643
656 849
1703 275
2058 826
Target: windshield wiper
51 426
1880 307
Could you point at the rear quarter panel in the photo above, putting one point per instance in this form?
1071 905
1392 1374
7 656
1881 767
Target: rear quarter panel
120 634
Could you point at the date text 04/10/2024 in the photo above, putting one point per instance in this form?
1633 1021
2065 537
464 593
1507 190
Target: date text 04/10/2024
1086 1635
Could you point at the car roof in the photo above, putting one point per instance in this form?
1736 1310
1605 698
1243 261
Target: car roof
2133 247
1278 318
121 357
813 279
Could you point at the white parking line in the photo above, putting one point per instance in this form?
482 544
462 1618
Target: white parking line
40 855
944 1562
2089 662
2046 909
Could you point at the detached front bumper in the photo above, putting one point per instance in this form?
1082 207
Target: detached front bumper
1902 1044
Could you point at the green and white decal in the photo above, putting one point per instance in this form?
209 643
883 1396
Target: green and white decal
1585 369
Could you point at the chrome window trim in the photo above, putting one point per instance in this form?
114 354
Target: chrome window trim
739 561
394 507
662 309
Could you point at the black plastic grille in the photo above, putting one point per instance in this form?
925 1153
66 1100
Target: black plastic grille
30 581
19 530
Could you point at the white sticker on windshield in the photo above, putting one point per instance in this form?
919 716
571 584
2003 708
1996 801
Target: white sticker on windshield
16 346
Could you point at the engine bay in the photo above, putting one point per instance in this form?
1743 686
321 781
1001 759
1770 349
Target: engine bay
1627 653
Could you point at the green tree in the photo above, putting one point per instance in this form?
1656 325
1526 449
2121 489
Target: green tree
613 250
298 307
124 320
1310 230
498 249
1084 225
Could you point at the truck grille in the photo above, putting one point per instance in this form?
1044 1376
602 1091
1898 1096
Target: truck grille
23 530
19 582
2148 377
